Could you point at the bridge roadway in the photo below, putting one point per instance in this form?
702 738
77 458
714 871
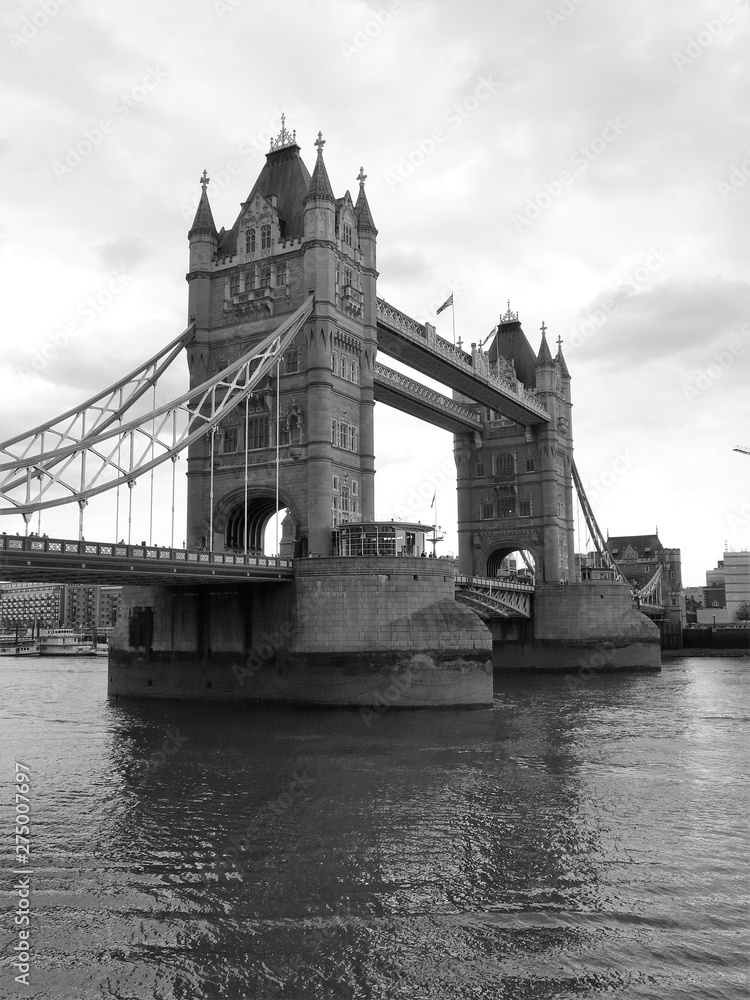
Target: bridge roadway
418 346
61 560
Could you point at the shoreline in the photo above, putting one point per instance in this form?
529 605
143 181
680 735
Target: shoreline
671 654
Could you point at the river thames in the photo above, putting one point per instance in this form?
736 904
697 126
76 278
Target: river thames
584 838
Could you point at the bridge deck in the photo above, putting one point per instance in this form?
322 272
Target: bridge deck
403 393
403 338
61 560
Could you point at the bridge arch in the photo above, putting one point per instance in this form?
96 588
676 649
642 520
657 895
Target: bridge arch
229 519
528 560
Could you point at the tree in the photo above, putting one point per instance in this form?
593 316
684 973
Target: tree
743 611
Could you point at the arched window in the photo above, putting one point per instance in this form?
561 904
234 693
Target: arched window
265 237
250 241
505 465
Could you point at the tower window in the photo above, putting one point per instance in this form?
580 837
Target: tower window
250 241
265 277
291 362
505 465
529 464
265 237
229 439
347 234
234 285
281 275
257 432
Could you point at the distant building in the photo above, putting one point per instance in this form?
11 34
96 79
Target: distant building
736 581
55 605
639 558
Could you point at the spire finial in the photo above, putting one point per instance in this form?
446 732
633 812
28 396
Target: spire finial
361 177
559 342
320 142
284 138
509 317
205 180
543 328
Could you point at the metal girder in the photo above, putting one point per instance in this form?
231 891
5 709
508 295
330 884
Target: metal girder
405 394
88 460
598 538
493 597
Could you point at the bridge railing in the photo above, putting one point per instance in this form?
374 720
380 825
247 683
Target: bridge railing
493 583
426 336
121 550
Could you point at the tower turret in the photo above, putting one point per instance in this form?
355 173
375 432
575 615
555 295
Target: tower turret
203 239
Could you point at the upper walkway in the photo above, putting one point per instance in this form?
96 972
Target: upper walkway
418 346
62 560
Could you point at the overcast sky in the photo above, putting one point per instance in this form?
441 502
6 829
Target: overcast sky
589 161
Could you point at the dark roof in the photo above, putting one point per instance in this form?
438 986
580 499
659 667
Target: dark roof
204 220
285 175
639 542
544 357
363 213
561 362
510 343
320 187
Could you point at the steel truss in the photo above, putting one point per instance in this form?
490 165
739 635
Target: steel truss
598 538
81 451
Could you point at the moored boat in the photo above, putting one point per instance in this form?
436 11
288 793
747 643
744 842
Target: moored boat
64 642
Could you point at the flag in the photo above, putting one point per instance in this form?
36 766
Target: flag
448 302
433 499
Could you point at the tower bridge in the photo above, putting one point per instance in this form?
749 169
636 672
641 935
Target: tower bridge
284 331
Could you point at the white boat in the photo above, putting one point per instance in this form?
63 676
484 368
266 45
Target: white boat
10 646
64 642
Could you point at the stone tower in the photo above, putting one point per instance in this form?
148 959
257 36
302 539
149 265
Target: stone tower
515 486
292 237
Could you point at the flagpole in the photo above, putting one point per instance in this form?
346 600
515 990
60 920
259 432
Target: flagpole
453 315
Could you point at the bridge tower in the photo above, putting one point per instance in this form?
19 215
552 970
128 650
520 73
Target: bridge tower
315 414
515 486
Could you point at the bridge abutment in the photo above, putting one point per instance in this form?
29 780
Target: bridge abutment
587 627
362 631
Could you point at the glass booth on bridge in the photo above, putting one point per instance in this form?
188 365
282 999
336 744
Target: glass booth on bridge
380 538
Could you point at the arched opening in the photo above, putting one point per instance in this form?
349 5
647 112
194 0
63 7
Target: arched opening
266 531
513 565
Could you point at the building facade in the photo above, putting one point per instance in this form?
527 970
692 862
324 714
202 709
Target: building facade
291 237
59 605
639 558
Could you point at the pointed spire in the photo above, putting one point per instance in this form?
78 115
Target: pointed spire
362 208
544 357
561 360
320 187
203 223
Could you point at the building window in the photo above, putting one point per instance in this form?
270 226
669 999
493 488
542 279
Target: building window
505 466
334 431
265 237
250 241
353 372
281 275
347 276
524 508
480 470
265 277
355 487
335 482
487 511
333 363
291 362
347 234
257 433
529 464
229 439
342 366
234 285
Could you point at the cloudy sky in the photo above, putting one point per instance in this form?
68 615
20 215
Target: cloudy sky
589 161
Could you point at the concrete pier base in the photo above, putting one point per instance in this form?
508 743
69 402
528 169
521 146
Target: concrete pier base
363 631
590 626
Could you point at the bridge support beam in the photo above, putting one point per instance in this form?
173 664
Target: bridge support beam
373 632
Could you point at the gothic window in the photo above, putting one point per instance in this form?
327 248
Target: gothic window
342 435
560 463
229 439
347 276
333 363
342 366
335 482
355 487
250 241
281 275
265 237
480 470
487 511
291 362
257 433
234 285
505 466
265 277
529 464
334 432
353 372
506 504
524 508
250 279
347 234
